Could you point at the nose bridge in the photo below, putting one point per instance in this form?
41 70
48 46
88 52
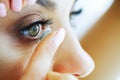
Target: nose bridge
71 58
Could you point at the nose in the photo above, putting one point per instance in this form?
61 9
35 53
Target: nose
71 58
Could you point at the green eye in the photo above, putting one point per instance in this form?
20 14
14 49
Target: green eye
33 31
36 30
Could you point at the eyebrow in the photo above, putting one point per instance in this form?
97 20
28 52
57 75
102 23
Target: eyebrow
46 3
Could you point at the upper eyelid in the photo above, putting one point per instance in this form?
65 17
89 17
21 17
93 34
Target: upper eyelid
34 12
25 20
42 23
26 16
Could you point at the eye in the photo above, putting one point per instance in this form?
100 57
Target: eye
33 31
76 12
76 9
36 30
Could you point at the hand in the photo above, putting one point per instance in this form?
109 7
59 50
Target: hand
58 76
41 60
14 5
38 68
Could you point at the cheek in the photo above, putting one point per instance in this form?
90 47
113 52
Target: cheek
13 58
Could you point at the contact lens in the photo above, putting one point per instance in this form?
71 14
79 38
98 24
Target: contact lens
45 33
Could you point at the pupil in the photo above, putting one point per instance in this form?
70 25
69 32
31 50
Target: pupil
34 31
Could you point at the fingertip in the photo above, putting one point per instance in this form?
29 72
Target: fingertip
59 37
52 41
59 76
3 11
16 5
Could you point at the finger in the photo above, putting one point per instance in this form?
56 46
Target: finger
42 57
16 5
4 6
3 11
58 76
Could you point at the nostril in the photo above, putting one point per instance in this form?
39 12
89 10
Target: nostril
75 61
86 71
76 75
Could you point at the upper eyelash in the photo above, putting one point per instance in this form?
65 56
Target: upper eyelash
76 12
42 22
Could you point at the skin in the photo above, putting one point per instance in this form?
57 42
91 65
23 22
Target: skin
14 5
19 58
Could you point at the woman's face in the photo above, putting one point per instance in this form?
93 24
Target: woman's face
19 34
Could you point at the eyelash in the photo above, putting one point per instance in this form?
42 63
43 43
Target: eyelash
76 12
43 31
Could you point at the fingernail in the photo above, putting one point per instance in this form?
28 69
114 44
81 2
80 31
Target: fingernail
31 2
59 37
3 11
17 5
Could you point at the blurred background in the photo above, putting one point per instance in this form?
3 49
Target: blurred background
99 34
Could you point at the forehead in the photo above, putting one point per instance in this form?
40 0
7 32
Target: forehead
52 4
64 5
63 2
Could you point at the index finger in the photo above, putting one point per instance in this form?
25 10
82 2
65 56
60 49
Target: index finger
42 57
4 6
